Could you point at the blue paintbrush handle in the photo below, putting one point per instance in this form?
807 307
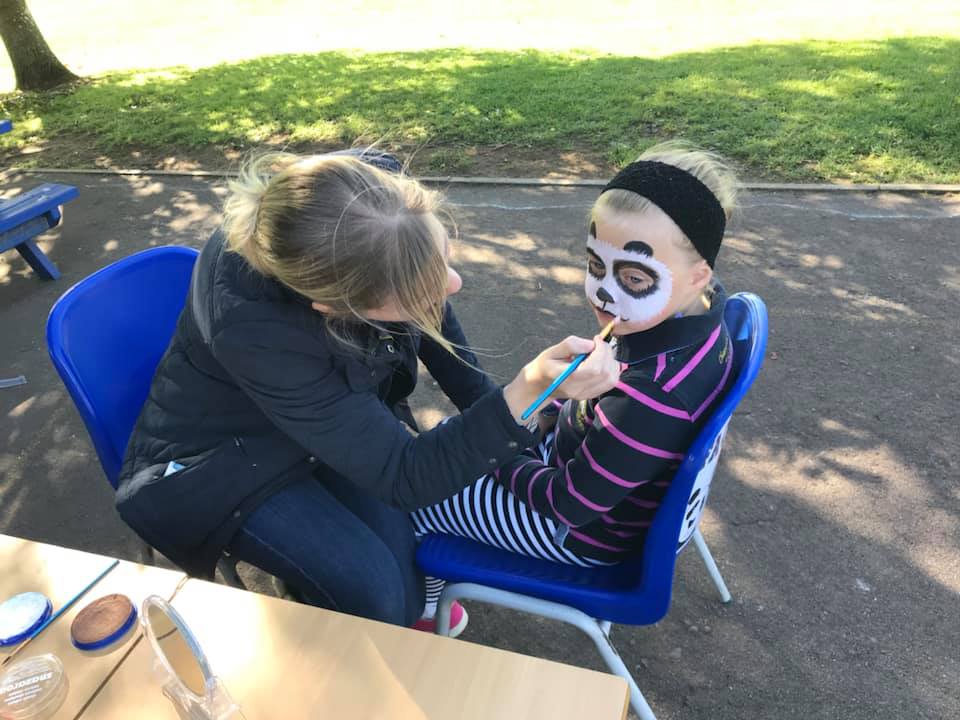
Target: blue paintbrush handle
66 606
553 386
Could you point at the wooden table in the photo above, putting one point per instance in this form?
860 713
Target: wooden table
284 660
60 574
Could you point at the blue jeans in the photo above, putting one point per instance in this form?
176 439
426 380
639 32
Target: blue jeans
337 548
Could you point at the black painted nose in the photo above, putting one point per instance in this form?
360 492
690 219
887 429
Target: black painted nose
603 296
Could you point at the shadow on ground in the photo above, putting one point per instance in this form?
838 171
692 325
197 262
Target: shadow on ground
835 512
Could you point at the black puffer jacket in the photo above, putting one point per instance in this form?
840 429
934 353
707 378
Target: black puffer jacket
253 393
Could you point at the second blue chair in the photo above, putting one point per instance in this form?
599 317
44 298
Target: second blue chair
106 336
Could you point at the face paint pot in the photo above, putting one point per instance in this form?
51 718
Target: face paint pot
21 616
103 622
33 689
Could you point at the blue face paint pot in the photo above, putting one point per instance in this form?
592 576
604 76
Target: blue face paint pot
21 616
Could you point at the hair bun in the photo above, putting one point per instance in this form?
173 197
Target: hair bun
241 212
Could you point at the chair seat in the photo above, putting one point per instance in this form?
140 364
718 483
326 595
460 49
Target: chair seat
599 592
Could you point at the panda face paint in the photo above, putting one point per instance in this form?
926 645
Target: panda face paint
629 283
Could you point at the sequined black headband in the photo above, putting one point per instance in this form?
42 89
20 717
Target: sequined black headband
683 197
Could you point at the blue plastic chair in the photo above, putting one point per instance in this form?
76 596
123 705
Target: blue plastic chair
106 336
633 593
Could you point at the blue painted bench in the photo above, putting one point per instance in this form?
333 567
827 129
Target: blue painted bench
30 214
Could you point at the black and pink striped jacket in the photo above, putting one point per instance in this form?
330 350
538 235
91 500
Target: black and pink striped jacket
613 457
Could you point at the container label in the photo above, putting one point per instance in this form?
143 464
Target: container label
24 690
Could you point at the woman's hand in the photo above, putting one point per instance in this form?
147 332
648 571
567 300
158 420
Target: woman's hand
595 376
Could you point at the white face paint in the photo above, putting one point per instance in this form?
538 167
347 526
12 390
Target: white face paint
632 286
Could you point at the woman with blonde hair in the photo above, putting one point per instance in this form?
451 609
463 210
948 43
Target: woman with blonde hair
276 428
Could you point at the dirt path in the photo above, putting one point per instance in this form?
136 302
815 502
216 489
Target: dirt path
835 516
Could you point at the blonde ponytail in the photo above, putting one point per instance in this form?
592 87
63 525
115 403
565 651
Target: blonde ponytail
241 212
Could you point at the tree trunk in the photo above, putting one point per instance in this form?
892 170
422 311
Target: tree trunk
34 64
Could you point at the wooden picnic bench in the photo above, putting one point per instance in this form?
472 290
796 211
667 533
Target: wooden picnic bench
30 214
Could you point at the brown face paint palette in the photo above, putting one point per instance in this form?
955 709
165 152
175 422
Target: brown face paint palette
103 622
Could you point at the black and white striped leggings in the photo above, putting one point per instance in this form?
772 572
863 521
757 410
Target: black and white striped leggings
490 514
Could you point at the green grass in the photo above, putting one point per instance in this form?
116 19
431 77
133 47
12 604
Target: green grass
866 111
450 161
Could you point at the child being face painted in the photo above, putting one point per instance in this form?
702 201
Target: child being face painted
641 267
601 476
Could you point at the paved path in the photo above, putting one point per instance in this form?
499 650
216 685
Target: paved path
835 516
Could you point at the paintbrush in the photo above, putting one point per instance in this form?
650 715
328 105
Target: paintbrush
575 363
59 612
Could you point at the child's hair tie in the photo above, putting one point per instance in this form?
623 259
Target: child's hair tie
683 197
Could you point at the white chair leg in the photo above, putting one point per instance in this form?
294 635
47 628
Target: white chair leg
613 660
598 631
711 566
444 606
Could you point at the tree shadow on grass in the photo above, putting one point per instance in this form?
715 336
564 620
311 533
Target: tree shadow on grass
880 110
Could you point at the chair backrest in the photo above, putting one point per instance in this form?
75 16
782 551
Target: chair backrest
106 336
679 513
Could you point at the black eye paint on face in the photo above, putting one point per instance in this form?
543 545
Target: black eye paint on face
635 278
640 247
595 265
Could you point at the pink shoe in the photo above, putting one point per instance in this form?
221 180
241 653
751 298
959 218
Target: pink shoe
458 621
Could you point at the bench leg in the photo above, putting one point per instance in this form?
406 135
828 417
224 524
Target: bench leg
40 263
